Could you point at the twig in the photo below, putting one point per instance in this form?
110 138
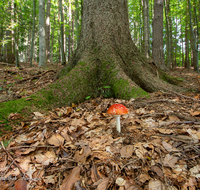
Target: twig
9 156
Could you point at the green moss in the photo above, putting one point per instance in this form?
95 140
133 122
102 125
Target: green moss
171 79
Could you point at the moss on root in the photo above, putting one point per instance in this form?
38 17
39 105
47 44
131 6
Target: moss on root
171 79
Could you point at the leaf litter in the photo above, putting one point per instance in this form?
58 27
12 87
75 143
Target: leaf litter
79 148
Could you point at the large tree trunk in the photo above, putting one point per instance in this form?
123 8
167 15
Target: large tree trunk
107 55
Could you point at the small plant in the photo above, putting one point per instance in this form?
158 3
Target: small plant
105 91
18 77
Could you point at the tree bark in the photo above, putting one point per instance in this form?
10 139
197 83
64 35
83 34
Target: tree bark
9 50
146 28
157 45
193 41
33 33
16 36
63 59
48 30
42 42
168 30
69 31
107 52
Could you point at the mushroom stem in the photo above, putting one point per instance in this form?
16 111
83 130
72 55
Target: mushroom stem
118 123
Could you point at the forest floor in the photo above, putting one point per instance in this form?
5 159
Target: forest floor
79 148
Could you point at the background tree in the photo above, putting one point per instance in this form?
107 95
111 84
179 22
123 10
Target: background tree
48 30
146 28
42 42
169 33
33 33
193 42
63 59
157 45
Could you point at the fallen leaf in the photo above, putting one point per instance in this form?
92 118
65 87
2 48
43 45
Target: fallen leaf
170 160
168 147
127 151
56 140
195 113
195 171
20 185
157 170
73 177
156 185
103 184
81 156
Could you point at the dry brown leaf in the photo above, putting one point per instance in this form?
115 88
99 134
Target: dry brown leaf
38 115
3 165
78 122
14 116
140 151
165 131
195 171
173 118
49 179
73 177
103 184
94 174
127 151
56 140
195 113
81 156
47 158
156 185
168 147
190 184
157 170
20 185
144 177
170 160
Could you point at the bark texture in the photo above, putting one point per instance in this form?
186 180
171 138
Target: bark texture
157 45
42 42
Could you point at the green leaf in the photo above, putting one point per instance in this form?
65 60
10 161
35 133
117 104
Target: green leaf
107 87
88 97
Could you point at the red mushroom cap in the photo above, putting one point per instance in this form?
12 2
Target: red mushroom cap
117 109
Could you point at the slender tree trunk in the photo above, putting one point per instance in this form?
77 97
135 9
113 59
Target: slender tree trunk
52 40
48 30
10 56
16 36
28 49
77 21
33 33
69 32
168 28
72 33
174 63
1 44
187 62
182 46
146 28
193 41
157 45
42 42
141 40
63 60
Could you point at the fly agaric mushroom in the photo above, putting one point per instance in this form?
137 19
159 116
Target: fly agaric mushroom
116 110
